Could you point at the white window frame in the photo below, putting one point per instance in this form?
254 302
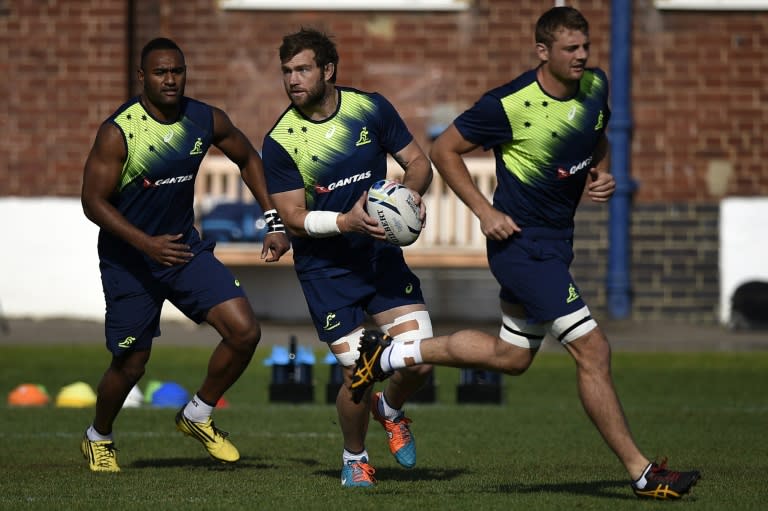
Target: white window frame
347 5
713 5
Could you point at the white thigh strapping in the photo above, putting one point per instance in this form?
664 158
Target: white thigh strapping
349 356
424 330
572 326
519 332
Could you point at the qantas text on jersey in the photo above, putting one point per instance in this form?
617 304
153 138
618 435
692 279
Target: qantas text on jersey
343 182
168 181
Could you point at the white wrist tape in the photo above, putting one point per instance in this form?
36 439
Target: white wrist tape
274 222
321 224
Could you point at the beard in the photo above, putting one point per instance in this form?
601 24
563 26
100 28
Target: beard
313 97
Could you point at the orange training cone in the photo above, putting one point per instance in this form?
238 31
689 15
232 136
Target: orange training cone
29 394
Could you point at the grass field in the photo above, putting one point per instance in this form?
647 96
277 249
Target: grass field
536 451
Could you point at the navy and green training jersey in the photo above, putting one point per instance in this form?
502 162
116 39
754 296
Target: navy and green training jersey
334 161
543 145
157 185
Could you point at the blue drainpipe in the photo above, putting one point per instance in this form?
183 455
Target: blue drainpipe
619 133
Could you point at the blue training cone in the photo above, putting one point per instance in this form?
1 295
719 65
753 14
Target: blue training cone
170 395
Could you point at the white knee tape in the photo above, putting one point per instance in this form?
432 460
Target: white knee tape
519 332
347 357
424 330
572 326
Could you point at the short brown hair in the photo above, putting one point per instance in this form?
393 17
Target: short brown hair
558 18
311 39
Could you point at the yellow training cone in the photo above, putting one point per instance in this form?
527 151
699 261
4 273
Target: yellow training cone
76 395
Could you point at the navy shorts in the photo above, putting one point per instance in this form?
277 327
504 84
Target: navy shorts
134 298
532 268
338 304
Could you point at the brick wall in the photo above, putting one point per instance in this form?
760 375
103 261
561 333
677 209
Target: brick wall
699 101
63 62
698 82
674 260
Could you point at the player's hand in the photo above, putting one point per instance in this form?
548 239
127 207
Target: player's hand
422 207
357 219
496 225
275 244
166 250
602 186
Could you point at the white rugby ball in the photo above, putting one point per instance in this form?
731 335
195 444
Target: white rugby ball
393 205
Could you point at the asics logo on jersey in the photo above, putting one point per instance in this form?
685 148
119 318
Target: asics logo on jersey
126 343
363 138
343 182
409 288
330 132
564 174
168 181
572 113
198 147
330 322
572 294
167 137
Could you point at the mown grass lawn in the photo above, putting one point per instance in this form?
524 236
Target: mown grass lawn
535 451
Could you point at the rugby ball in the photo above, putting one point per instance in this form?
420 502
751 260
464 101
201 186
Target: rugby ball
393 205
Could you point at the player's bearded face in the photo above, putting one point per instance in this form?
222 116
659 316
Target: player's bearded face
303 80
313 94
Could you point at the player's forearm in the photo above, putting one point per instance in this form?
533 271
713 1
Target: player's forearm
417 167
107 217
291 205
418 174
453 170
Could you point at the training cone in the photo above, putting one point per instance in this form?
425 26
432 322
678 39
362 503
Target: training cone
152 386
29 394
76 395
135 398
170 395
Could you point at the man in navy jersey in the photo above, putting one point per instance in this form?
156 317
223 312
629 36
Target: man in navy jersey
547 131
138 187
324 152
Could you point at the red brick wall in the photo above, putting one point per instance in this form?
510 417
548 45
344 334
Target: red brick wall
700 85
699 89
62 63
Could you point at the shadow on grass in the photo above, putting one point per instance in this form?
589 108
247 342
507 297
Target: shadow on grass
204 463
613 489
399 474
616 489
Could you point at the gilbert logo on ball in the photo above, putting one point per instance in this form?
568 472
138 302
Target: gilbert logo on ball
393 205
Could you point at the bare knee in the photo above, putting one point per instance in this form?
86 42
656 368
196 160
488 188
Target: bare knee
592 352
131 366
512 360
237 325
245 339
